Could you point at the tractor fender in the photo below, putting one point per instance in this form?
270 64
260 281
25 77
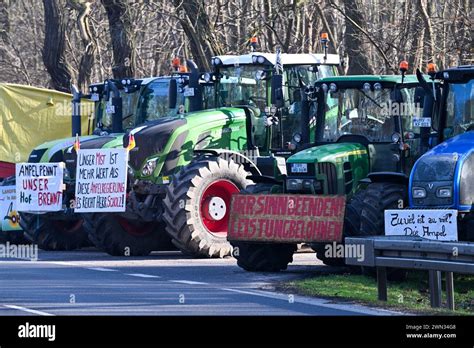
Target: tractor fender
392 177
264 179
236 156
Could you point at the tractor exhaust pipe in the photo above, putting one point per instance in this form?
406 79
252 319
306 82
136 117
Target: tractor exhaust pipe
195 103
76 111
117 105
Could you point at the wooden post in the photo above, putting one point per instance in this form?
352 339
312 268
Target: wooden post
435 288
450 290
382 283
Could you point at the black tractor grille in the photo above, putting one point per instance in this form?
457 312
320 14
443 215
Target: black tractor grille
329 170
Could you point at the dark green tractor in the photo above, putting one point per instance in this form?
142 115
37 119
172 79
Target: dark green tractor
366 141
185 169
120 105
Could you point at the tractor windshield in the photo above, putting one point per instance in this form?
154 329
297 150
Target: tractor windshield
105 111
242 85
155 102
459 108
367 113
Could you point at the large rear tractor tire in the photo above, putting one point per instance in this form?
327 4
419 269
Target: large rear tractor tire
118 236
262 257
197 205
51 234
377 198
351 229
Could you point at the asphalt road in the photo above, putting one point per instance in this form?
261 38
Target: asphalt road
92 283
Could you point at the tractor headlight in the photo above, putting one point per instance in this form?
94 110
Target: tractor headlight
66 174
149 167
297 138
419 192
206 77
294 184
324 87
444 192
333 87
131 173
216 61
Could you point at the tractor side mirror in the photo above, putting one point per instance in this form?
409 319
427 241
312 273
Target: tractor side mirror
173 94
277 91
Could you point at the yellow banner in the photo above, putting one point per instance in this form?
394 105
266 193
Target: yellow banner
30 116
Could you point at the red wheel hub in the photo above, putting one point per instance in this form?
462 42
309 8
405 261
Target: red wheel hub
134 229
215 205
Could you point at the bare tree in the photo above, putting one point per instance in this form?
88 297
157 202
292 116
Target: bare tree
120 27
54 49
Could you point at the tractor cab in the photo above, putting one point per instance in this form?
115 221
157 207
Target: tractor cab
121 105
269 87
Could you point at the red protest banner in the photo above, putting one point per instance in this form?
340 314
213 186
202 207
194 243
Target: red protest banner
286 218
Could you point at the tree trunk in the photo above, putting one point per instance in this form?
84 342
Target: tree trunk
197 26
90 47
429 46
120 26
54 48
354 42
4 21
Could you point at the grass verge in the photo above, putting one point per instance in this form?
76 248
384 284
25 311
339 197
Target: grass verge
411 295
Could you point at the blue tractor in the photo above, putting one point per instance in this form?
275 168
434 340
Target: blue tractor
443 178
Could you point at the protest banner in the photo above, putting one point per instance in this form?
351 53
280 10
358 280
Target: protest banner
8 213
101 180
39 186
435 224
286 218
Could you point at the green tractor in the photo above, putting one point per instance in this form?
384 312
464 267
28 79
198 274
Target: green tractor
367 138
184 170
120 105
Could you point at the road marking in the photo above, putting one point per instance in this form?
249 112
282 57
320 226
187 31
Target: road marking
141 275
102 269
317 302
189 282
33 311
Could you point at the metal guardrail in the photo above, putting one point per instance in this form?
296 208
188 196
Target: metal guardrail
414 253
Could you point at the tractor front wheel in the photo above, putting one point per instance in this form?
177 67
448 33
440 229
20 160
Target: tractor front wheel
197 205
351 228
379 197
118 236
52 234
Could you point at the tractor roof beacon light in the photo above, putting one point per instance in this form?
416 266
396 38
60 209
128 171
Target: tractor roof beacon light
324 42
403 68
175 63
253 43
431 69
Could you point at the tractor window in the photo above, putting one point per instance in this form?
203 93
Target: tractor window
155 100
459 108
296 77
354 111
242 85
105 111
